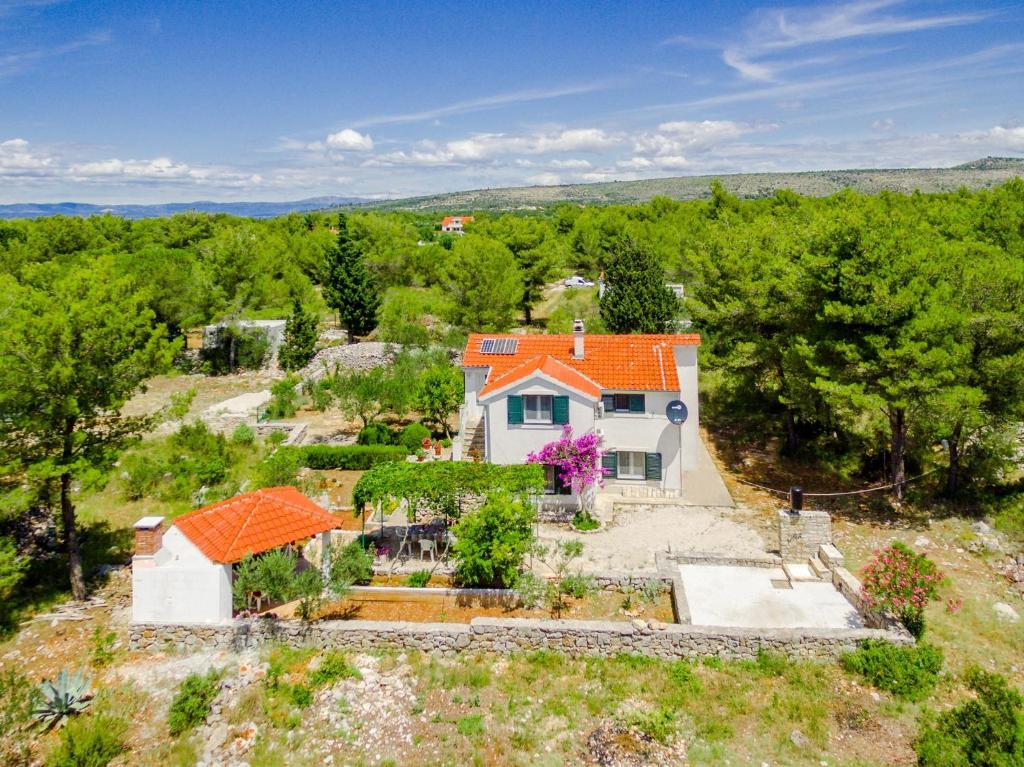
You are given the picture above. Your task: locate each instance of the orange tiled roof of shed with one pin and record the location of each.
(625, 363)
(253, 523)
(550, 367)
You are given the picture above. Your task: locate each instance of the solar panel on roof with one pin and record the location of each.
(498, 346)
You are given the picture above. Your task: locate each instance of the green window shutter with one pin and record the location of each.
(636, 403)
(608, 400)
(653, 466)
(560, 410)
(610, 462)
(515, 409)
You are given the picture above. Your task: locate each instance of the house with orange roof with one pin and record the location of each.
(638, 392)
(184, 574)
(455, 224)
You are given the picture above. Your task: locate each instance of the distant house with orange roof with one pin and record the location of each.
(184, 574)
(455, 224)
(639, 392)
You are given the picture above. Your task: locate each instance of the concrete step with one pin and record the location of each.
(819, 568)
(797, 572)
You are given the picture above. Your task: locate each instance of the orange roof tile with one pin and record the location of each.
(253, 523)
(449, 220)
(546, 365)
(624, 363)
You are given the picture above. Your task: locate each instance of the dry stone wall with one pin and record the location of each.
(508, 635)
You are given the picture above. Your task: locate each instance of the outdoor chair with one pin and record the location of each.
(426, 544)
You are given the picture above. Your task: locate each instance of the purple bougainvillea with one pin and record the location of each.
(577, 460)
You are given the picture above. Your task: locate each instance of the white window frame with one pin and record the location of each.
(634, 454)
(538, 401)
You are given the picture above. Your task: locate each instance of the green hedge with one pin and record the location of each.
(350, 457)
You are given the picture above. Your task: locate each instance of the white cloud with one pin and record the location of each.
(673, 139)
(349, 140)
(760, 55)
(484, 103)
(544, 179)
(486, 147)
(570, 164)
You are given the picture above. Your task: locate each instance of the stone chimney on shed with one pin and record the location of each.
(577, 339)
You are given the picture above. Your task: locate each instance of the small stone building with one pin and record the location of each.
(184, 574)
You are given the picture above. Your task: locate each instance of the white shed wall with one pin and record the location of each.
(180, 585)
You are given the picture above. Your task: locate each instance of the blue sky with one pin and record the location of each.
(152, 102)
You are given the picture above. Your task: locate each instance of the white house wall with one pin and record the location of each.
(649, 432)
(509, 444)
(180, 585)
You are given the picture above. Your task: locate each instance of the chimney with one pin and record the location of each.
(149, 534)
(577, 339)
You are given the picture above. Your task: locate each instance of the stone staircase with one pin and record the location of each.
(817, 567)
(473, 440)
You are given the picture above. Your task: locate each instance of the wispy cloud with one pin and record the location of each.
(13, 63)
(485, 103)
(11, 7)
(761, 52)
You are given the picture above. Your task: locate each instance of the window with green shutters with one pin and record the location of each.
(631, 464)
(623, 403)
(560, 410)
(653, 465)
(515, 409)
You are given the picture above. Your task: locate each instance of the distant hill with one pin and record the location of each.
(979, 174)
(249, 209)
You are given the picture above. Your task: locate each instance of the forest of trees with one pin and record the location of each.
(880, 335)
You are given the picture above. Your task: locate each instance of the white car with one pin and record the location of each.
(578, 282)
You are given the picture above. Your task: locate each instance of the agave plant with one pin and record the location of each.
(67, 695)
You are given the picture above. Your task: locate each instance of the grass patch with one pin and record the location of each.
(907, 672)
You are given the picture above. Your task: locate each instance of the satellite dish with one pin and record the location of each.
(676, 411)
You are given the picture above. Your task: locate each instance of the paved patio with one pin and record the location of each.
(722, 595)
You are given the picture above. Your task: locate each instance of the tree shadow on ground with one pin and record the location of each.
(46, 580)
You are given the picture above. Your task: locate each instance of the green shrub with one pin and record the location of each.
(418, 579)
(577, 585)
(279, 468)
(908, 672)
(333, 666)
(347, 457)
(412, 436)
(987, 731)
(659, 725)
(140, 476)
(581, 520)
(191, 704)
(470, 726)
(491, 542)
(284, 399)
(89, 741)
(243, 435)
(352, 565)
(375, 433)
(101, 652)
(300, 695)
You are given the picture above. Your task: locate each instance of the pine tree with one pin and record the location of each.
(349, 288)
(301, 332)
(636, 299)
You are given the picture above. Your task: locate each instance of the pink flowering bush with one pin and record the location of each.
(902, 582)
(577, 460)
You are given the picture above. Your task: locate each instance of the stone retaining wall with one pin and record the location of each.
(802, 534)
(506, 635)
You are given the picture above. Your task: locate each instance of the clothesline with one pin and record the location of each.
(890, 486)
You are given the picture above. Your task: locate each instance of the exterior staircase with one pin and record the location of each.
(473, 440)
